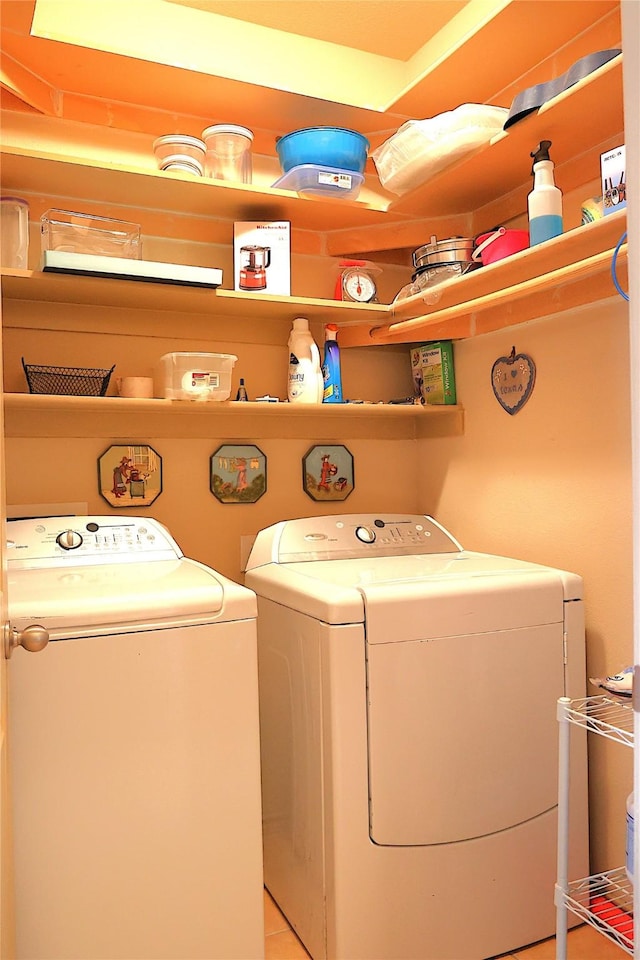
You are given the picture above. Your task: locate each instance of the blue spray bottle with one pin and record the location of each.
(331, 366)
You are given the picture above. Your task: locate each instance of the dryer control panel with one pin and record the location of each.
(350, 536)
(54, 541)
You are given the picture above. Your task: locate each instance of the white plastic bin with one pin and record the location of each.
(197, 376)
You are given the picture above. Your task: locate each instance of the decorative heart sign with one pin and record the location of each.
(512, 379)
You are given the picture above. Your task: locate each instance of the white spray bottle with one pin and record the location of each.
(545, 200)
(306, 384)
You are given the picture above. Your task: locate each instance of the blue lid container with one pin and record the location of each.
(327, 146)
(313, 179)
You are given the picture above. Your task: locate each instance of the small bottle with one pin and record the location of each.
(544, 203)
(331, 374)
(242, 391)
(305, 382)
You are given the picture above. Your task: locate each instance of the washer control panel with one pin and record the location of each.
(351, 536)
(54, 541)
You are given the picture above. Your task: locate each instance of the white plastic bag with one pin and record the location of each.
(421, 148)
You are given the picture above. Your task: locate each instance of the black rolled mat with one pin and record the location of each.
(533, 97)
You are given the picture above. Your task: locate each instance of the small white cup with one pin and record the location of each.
(140, 387)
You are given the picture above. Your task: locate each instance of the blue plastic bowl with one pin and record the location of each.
(327, 146)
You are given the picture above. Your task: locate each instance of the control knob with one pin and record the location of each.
(69, 540)
(366, 534)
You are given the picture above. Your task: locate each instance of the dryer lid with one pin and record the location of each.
(421, 596)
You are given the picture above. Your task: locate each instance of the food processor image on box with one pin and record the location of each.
(254, 261)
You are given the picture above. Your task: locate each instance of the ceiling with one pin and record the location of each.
(390, 28)
(278, 65)
(337, 62)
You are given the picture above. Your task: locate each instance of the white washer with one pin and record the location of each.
(134, 747)
(408, 695)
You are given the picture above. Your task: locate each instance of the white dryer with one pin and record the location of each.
(134, 747)
(408, 694)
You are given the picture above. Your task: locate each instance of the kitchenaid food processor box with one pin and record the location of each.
(262, 257)
(433, 374)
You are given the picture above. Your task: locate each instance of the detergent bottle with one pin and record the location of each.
(306, 384)
(331, 366)
(545, 200)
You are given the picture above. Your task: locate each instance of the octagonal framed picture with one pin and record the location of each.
(130, 475)
(238, 473)
(327, 472)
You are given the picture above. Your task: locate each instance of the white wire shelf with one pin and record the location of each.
(605, 901)
(608, 717)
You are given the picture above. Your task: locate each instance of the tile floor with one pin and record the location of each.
(583, 943)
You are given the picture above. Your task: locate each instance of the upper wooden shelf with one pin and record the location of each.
(483, 180)
(504, 164)
(491, 184)
(25, 171)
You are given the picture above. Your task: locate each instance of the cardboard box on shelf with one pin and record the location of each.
(262, 257)
(433, 372)
(614, 184)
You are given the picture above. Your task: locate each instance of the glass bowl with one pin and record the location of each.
(177, 151)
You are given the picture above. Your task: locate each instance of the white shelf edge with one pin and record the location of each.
(607, 717)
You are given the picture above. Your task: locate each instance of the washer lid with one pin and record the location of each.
(86, 576)
(93, 600)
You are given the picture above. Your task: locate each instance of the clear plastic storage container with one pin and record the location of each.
(14, 231)
(197, 376)
(228, 155)
(84, 233)
(313, 179)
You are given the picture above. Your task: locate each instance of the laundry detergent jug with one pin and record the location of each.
(306, 383)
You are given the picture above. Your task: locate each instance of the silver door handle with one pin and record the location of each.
(33, 638)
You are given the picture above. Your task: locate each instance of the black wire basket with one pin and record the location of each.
(67, 381)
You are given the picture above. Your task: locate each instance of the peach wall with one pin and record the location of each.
(63, 470)
(552, 484)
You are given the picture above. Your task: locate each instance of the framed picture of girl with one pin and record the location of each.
(238, 473)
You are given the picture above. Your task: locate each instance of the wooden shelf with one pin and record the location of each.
(504, 164)
(62, 288)
(31, 415)
(486, 187)
(537, 282)
(26, 171)
(492, 182)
